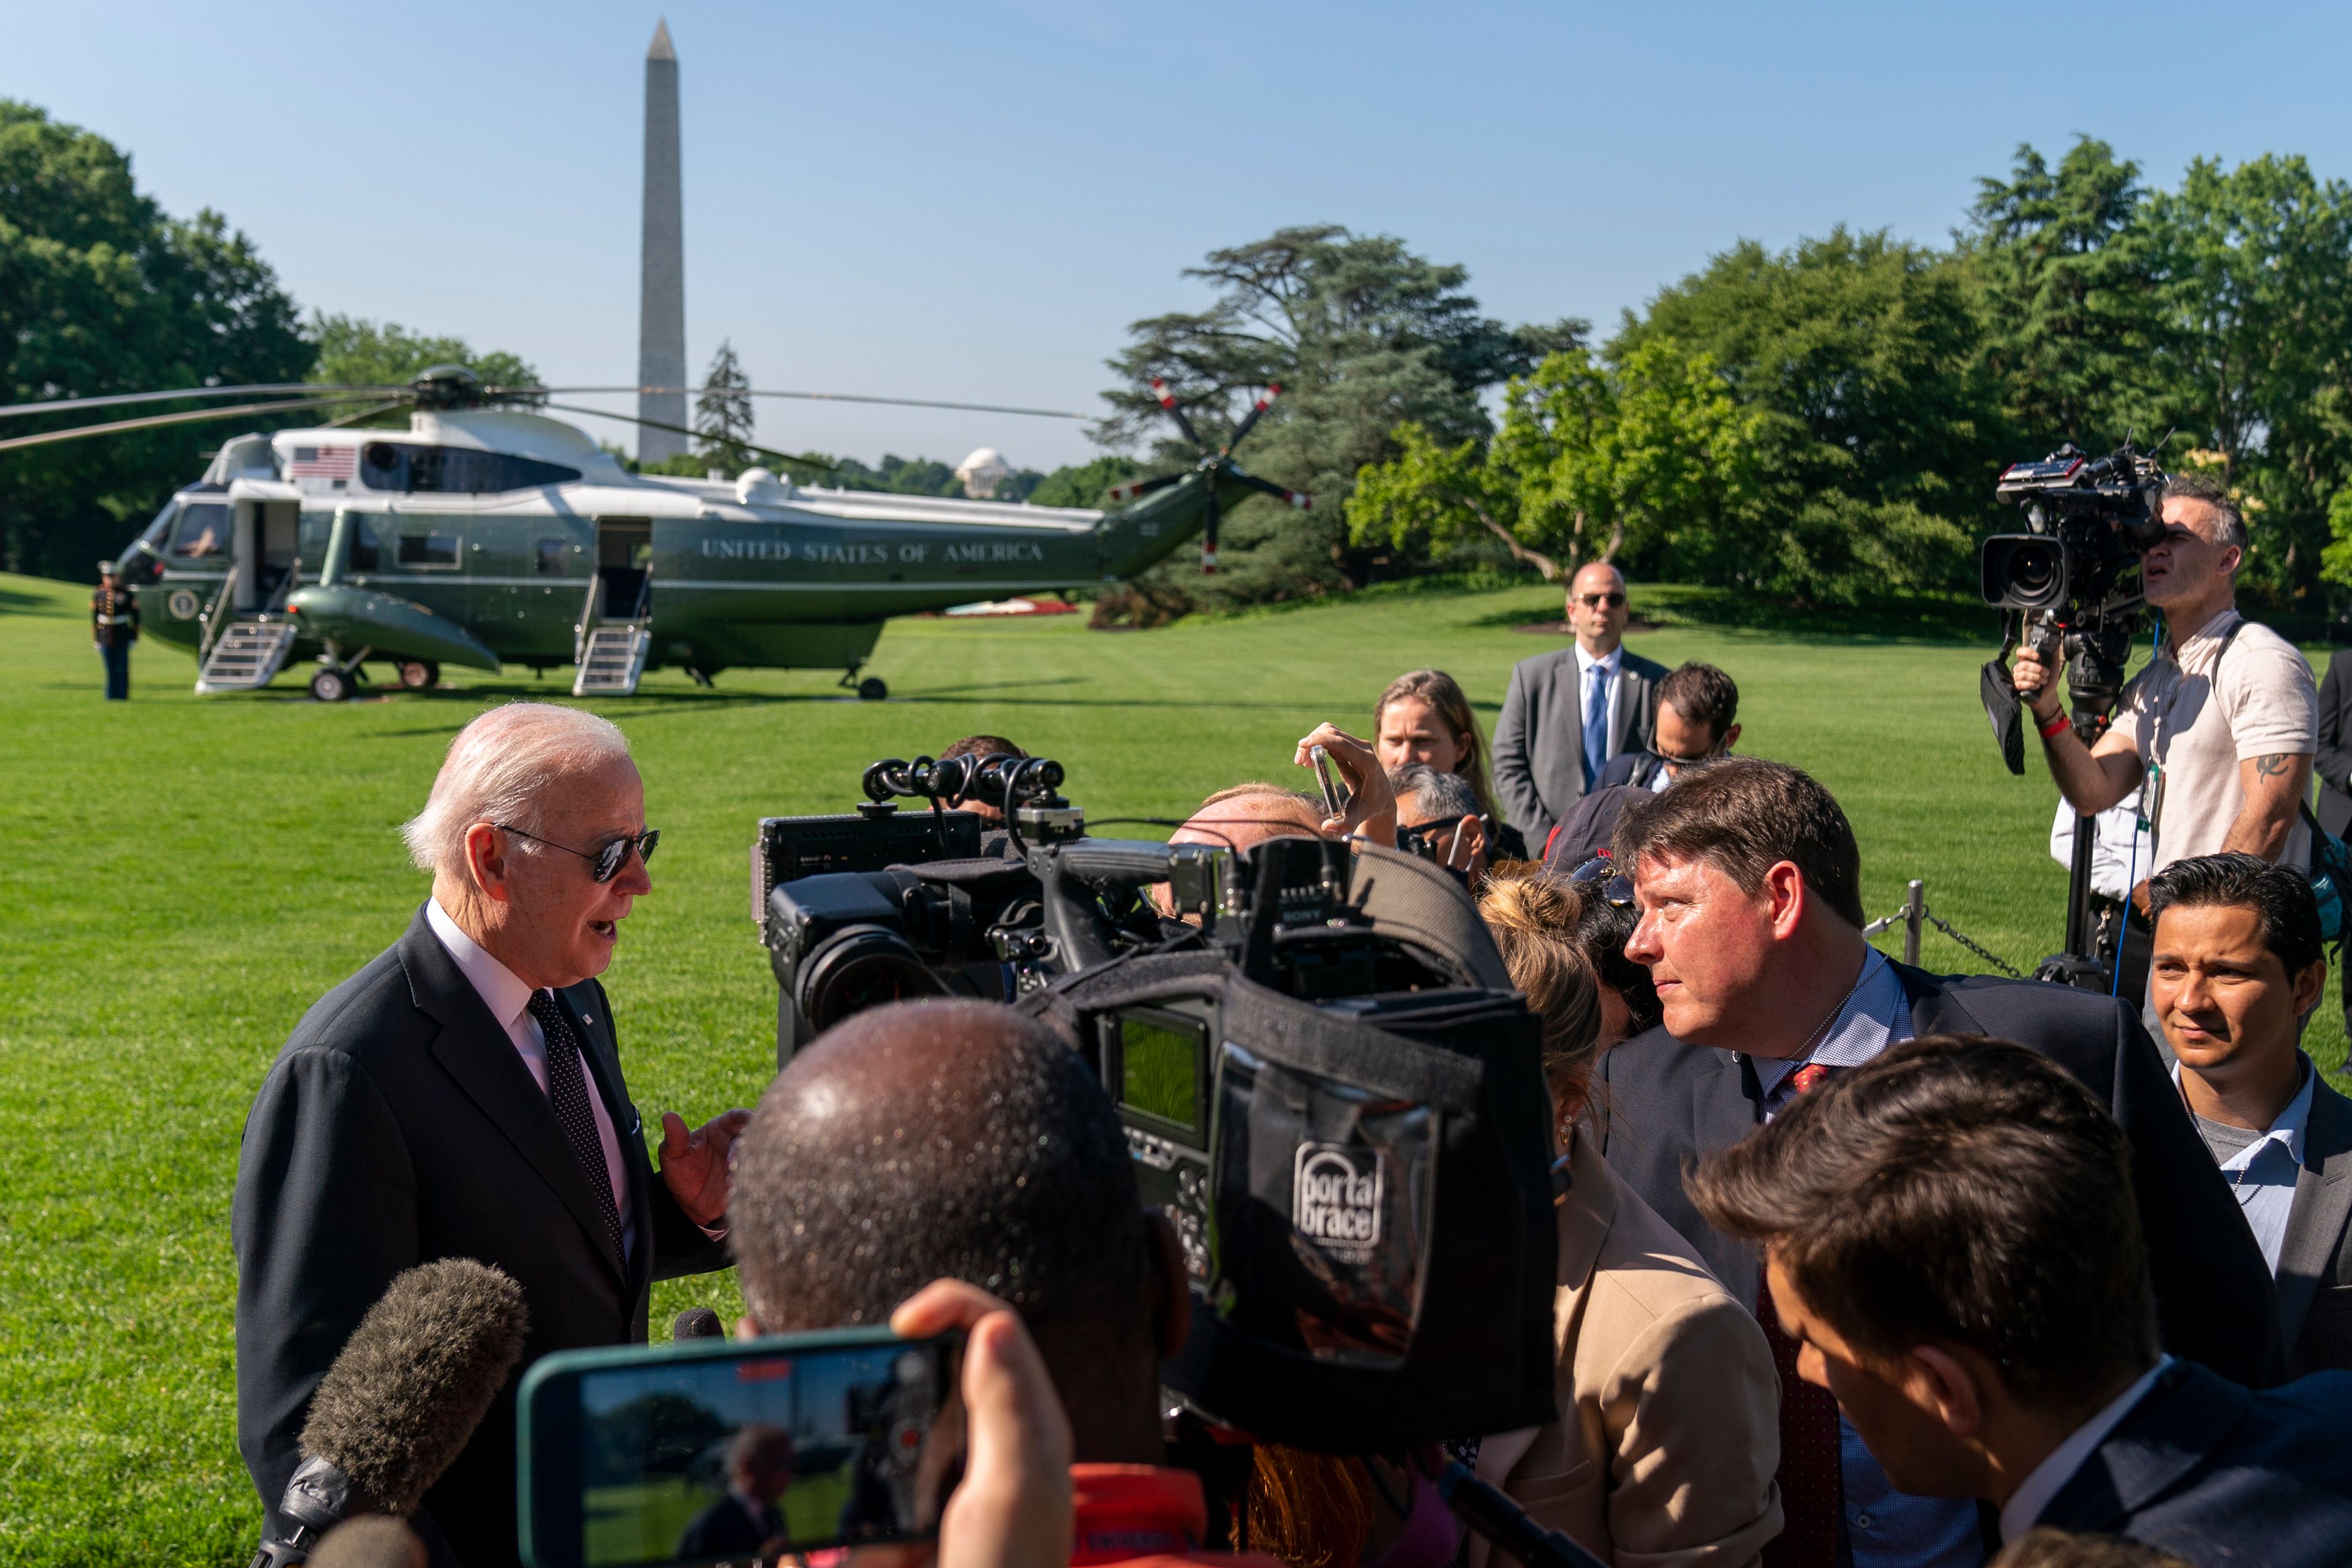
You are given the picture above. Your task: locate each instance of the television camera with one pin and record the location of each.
(1325, 1075)
(2070, 584)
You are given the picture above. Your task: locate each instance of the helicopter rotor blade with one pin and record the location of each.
(124, 399)
(341, 421)
(155, 421)
(1209, 536)
(1168, 401)
(1265, 401)
(812, 397)
(1135, 489)
(1298, 498)
(819, 464)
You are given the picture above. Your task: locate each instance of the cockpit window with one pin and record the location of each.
(405, 465)
(203, 530)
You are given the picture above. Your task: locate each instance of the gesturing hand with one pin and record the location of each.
(694, 1165)
(1013, 1507)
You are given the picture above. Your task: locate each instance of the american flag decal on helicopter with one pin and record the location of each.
(323, 463)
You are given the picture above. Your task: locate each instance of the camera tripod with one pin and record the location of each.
(2095, 681)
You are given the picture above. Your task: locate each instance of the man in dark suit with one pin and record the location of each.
(1566, 713)
(461, 1096)
(1951, 1235)
(1696, 720)
(1749, 882)
(748, 1521)
(2332, 766)
(2238, 964)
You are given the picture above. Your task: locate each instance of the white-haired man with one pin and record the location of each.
(461, 1097)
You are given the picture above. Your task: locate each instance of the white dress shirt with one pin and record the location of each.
(1611, 663)
(2265, 1166)
(2025, 1504)
(508, 1000)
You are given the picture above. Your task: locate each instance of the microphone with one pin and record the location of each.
(402, 1400)
(696, 1323)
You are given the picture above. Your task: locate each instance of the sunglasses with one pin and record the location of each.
(1616, 889)
(605, 864)
(1424, 839)
(1595, 601)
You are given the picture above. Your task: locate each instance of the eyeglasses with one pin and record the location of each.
(605, 863)
(1615, 888)
(1595, 601)
(1424, 839)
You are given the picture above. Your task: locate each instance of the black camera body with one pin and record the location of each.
(1325, 1076)
(2071, 582)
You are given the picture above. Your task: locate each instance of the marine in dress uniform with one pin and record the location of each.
(113, 627)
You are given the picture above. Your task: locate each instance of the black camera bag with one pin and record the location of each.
(1382, 1240)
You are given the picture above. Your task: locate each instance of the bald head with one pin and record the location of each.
(1249, 815)
(938, 1138)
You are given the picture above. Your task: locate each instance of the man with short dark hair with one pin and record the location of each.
(1697, 721)
(1748, 881)
(1566, 713)
(2238, 965)
(981, 746)
(1438, 818)
(963, 1141)
(2225, 715)
(1951, 1234)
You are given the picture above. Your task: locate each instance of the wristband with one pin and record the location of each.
(2054, 725)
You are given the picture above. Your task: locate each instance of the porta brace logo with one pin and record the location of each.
(1334, 1195)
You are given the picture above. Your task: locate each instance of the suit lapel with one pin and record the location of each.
(1934, 1009)
(2323, 1202)
(1722, 1113)
(474, 1050)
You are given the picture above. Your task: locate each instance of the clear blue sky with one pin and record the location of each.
(973, 202)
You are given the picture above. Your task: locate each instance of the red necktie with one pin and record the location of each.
(1812, 1481)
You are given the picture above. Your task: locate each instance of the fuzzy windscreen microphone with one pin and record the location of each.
(414, 1381)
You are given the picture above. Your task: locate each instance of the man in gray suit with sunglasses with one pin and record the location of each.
(1566, 713)
(461, 1097)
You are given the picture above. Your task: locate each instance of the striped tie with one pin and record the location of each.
(568, 1091)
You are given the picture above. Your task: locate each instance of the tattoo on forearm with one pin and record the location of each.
(2274, 766)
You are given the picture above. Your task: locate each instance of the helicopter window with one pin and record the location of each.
(553, 555)
(403, 465)
(202, 531)
(365, 557)
(430, 550)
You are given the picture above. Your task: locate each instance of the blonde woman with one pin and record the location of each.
(1423, 717)
(1668, 1433)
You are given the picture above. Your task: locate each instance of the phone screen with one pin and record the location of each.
(709, 1459)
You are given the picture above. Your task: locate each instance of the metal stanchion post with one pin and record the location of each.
(1914, 914)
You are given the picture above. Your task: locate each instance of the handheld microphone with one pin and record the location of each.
(402, 1400)
(696, 1323)
(1487, 1509)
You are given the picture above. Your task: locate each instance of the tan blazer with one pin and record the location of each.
(1670, 1410)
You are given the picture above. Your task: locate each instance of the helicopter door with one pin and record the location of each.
(265, 540)
(624, 557)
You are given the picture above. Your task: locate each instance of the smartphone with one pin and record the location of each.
(1334, 793)
(718, 1451)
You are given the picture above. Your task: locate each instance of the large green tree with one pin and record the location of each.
(1362, 334)
(354, 351)
(102, 291)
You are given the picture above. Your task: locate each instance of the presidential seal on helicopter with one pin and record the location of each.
(488, 533)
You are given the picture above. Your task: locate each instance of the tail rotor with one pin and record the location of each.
(1217, 465)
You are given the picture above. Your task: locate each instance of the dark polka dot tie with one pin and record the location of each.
(568, 1092)
(1812, 1479)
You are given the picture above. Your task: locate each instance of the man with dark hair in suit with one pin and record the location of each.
(1949, 1234)
(1697, 721)
(2238, 965)
(1748, 887)
(461, 1097)
(1565, 714)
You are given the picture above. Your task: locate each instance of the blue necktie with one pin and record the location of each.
(1596, 724)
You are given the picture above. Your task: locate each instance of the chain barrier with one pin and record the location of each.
(1916, 913)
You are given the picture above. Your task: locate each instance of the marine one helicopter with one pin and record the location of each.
(488, 533)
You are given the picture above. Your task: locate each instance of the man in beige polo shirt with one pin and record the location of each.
(2226, 715)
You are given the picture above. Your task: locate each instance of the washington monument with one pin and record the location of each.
(661, 303)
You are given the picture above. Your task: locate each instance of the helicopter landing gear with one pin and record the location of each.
(419, 674)
(331, 685)
(872, 690)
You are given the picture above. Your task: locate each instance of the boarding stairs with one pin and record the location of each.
(613, 660)
(247, 656)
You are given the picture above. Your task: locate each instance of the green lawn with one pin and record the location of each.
(184, 876)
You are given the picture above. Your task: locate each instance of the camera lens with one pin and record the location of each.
(858, 967)
(2024, 572)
